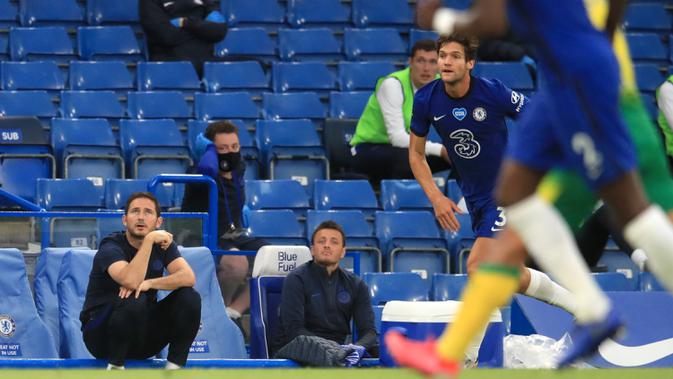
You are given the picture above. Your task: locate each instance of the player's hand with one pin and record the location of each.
(124, 292)
(161, 238)
(425, 11)
(445, 210)
(144, 286)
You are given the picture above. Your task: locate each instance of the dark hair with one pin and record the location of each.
(139, 195)
(470, 43)
(217, 127)
(329, 224)
(423, 44)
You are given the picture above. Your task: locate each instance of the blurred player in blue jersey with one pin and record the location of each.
(574, 122)
(468, 112)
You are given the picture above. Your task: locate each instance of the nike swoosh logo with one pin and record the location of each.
(494, 229)
(632, 356)
(438, 118)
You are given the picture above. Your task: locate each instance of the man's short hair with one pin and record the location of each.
(424, 45)
(329, 224)
(470, 43)
(139, 195)
(217, 127)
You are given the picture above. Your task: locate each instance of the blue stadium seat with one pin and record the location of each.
(247, 42)
(277, 194)
(267, 13)
(95, 75)
(411, 241)
(460, 243)
(153, 147)
(8, 14)
(86, 148)
(447, 286)
(27, 103)
(355, 76)
(649, 283)
(292, 105)
(453, 191)
(158, 104)
(278, 226)
(43, 43)
(265, 293)
(615, 281)
(403, 195)
(388, 286)
(302, 76)
(171, 76)
(647, 47)
(73, 278)
(374, 44)
(218, 336)
(227, 105)
(45, 284)
(514, 75)
(25, 156)
(31, 76)
(235, 76)
(359, 236)
(51, 12)
(386, 13)
(417, 34)
(620, 262)
(305, 13)
(24, 334)
(292, 149)
(118, 190)
(348, 104)
(98, 104)
(308, 44)
(103, 12)
(345, 194)
(108, 43)
(70, 195)
(648, 16)
(648, 76)
(4, 45)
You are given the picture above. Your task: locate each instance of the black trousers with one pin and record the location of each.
(140, 328)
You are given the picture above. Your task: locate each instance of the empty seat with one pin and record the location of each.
(108, 42)
(27, 103)
(398, 195)
(97, 75)
(8, 14)
(460, 243)
(153, 147)
(103, 12)
(268, 13)
(292, 150)
(50, 12)
(388, 286)
(292, 105)
(614, 281)
(214, 106)
(25, 156)
(31, 76)
(620, 262)
(447, 286)
(308, 44)
(374, 44)
(303, 13)
(302, 76)
(279, 227)
(411, 241)
(372, 13)
(247, 42)
(4, 44)
(34, 44)
(118, 190)
(416, 35)
(354, 76)
(73, 279)
(158, 104)
(648, 76)
(79, 104)
(345, 194)
(348, 104)
(648, 16)
(86, 148)
(515, 75)
(337, 135)
(277, 194)
(647, 47)
(159, 76)
(24, 334)
(234, 76)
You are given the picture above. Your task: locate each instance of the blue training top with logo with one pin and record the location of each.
(474, 132)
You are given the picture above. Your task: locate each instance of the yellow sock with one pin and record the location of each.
(490, 287)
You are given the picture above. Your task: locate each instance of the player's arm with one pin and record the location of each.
(130, 274)
(485, 18)
(180, 274)
(391, 99)
(615, 16)
(665, 102)
(443, 206)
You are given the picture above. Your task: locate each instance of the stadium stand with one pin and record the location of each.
(374, 44)
(167, 76)
(278, 226)
(347, 104)
(388, 286)
(43, 75)
(399, 195)
(386, 13)
(267, 13)
(103, 12)
(277, 194)
(51, 12)
(159, 104)
(318, 13)
(100, 76)
(43, 43)
(357, 76)
(8, 14)
(247, 42)
(308, 44)
(226, 105)
(302, 76)
(92, 104)
(108, 43)
(345, 194)
(235, 76)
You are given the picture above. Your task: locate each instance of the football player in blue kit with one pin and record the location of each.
(574, 123)
(468, 112)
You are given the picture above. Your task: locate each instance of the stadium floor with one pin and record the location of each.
(370, 373)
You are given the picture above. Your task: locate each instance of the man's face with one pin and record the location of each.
(141, 218)
(453, 66)
(226, 143)
(328, 247)
(423, 67)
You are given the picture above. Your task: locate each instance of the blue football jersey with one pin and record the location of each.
(472, 129)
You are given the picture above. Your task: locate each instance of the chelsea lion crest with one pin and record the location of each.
(7, 326)
(479, 114)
